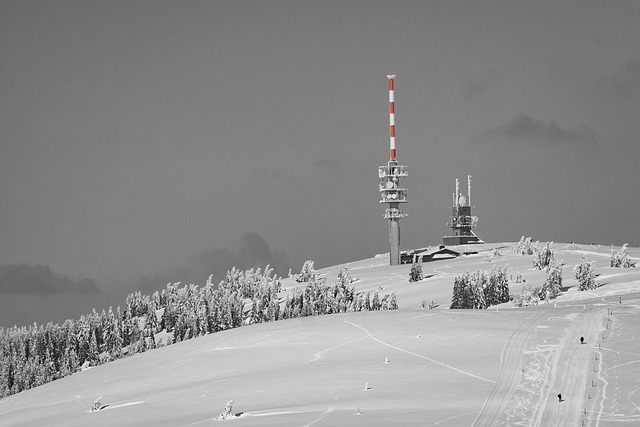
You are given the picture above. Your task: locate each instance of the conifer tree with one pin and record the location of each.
(585, 274)
(543, 257)
(416, 272)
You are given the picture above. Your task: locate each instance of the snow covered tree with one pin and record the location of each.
(306, 273)
(480, 289)
(393, 302)
(366, 306)
(416, 272)
(468, 291)
(585, 274)
(620, 259)
(524, 246)
(543, 257)
(551, 287)
(375, 302)
(496, 288)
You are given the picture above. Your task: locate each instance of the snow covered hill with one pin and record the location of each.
(414, 366)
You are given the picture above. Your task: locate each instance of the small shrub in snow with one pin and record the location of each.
(495, 253)
(528, 296)
(416, 272)
(226, 413)
(543, 257)
(97, 405)
(585, 274)
(620, 259)
(524, 246)
(518, 278)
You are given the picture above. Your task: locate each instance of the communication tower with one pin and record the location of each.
(391, 191)
(461, 221)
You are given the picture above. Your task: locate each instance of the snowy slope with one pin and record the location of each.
(413, 366)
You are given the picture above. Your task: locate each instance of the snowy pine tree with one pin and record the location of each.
(620, 259)
(416, 272)
(543, 257)
(585, 274)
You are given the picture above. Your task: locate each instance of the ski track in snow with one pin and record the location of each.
(320, 354)
(322, 415)
(451, 418)
(370, 335)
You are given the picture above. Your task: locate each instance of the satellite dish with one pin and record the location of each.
(462, 200)
(474, 219)
(389, 184)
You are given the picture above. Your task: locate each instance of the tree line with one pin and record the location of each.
(35, 355)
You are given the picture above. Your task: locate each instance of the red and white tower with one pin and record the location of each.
(392, 192)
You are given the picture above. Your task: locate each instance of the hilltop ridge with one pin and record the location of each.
(412, 366)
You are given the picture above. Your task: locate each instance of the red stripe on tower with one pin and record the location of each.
(392, 117)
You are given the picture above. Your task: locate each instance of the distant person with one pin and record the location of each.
(559, 397)
(619, 300)
(581, 340)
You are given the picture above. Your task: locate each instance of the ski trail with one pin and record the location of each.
(511, 360)
(322, 415)
(419, 355)
(320, 354)
(124, 404)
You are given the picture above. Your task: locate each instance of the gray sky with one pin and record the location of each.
(142, 139)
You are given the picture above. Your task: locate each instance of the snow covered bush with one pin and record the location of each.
(432, 304)
(543, 257)
(416, 272)
(518, 278)
(97, 405)
(528, 296)
(227, 413)
(620, 259)
(524, 246)
(494, 253)
(585, 274)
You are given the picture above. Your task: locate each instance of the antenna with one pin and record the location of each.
(392, 118)
(461, 222)
(389, 185)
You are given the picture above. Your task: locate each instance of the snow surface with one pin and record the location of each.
(501, 366)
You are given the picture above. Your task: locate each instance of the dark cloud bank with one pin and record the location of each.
(525, 129)
(250, 251)
(36, 293)
(41, 279)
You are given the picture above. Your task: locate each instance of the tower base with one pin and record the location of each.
(460, 240)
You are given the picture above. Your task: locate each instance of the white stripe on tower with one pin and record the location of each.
(392, 118)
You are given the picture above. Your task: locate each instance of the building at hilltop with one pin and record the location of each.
(461, 222)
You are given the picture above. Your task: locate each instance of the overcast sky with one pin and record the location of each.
(146, 140)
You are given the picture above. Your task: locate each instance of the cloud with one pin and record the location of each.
(525, 129)
(41, 279)
(623, 86)
(475, 86)
(250, 251)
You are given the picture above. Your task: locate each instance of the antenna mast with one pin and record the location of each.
(389, 186)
